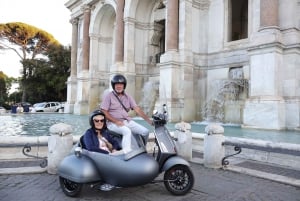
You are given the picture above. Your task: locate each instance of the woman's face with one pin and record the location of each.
(98, 121)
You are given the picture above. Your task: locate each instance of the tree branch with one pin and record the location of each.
(6, 47)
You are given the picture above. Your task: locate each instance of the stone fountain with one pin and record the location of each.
(227, 98)
(149, 97)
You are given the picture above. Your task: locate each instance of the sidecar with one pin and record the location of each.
(132, 169)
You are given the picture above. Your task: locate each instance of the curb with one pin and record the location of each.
(265, 175)
(22, 170)
(256, 173)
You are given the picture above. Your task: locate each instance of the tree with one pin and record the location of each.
(14, 97)
(3, 90)
(5, 85)
(46, 79)
(27, 42)
(59, 61)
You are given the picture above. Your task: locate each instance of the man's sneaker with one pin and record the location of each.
(106, 187)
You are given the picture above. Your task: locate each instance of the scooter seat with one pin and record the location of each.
(134, 153)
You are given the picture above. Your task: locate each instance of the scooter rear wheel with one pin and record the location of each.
(69, 187)
(179, 179)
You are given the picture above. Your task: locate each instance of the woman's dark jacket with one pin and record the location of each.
(91, 141)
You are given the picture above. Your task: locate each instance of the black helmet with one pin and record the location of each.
(118, 79)
(95, 113)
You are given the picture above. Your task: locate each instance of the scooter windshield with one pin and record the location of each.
(164, 140)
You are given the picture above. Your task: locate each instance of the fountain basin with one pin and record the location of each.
(38, 124)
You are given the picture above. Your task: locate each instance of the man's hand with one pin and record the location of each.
(141, 113)
(150, 122)
(110, 118)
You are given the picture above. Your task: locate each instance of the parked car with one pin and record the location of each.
(47, 107)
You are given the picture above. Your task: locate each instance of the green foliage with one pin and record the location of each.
(43, 77)
(27, 42)
(14, 97)
(31, 40)
(46, 79)
(3, 92)
(5, 84)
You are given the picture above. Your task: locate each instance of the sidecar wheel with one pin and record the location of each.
(70, 188)
(179, 179)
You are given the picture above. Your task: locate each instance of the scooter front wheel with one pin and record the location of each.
(69, 187)
(179, 179)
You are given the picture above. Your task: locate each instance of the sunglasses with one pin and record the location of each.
(98, 120)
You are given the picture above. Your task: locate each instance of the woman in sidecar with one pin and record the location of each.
(97, 138)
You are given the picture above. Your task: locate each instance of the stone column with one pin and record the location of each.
(60, 143)
(86, 38)
(185, 44)
(83, 88)
(128, 64)
(184, 144)
(171, 90)
(268, 13)
(119, 32)
(129, 44)
(74, 23)
(95, 72)
(72, 80)
(172, 25)
(213, 150)
(265, 108)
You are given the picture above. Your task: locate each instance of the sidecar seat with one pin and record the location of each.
(117, 137)
(81, 143)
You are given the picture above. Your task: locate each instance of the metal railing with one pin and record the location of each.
(238, 149)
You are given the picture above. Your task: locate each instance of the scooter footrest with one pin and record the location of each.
(106, 187)
(134, 153)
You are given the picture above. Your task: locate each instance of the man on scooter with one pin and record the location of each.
(116, 105)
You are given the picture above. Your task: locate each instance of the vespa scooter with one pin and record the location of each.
(132, 169)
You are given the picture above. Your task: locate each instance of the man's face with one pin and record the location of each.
(119, 87)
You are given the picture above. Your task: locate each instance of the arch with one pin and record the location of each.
(140, 10)
(102, 37)
(102, 30)
(103, 20)
(144, 12)
(130, 8)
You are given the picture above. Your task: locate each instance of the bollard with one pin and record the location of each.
(60, 143)
(213, 151)
(184, 140)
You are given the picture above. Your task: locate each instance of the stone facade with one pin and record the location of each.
(235, 61)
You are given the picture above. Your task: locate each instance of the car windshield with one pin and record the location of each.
(39, 104)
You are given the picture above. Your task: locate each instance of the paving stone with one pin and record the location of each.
(210, 185)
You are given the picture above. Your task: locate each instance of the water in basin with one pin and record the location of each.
(38, 124)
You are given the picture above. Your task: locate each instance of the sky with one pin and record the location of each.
(49, 15)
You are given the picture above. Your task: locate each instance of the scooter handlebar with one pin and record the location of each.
(160, 118)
